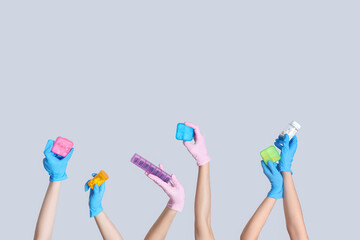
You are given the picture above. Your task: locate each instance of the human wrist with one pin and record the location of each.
(271, 198)
(176, 206)
(170, 210)
(276, 193)
(286, 173)
(275, 196)
(94, 212)
(56, 178)
(53, 184)
(203, 159)
(285, 169)
(204, 167)
(99, 215)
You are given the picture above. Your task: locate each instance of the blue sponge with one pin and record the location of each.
(184, 132)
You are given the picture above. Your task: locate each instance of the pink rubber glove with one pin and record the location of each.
(173, 189)
(198, 149)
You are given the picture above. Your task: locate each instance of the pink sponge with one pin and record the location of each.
(62, 146)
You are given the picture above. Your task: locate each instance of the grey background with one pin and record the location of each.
(116, 77)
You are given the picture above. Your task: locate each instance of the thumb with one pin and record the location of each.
(102, 188)
(161, 166)
(67, 158)
(265, 168)
(271, 166)
(286, 140)
(158, 181)
(293, 142)
(96, 189)
(87, 186)
(175, 180)
(49, 146)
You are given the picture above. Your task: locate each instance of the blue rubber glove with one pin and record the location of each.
(54, 164)
(273, 174)
(95, 197)
(288, 149)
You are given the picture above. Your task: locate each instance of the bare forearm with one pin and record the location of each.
(203, 195)
(257, 221)
(203, 204)
(106, 227)
(46, 220)
(162, 225)
(294, 218)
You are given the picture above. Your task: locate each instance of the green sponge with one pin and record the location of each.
(270, 153)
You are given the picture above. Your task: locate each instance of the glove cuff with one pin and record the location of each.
(276, 191)
(96, 211)
(203, 160)
(58, 178)
(175, 206)
(275, 195)
(286, 170)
